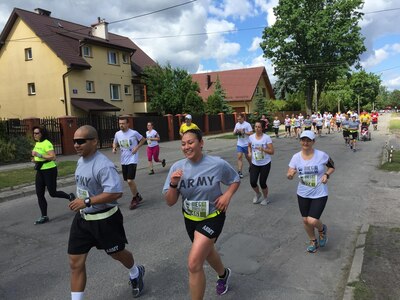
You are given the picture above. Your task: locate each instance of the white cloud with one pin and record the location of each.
(393, 83)
(255, 45)
(267, 6)
(376, 58)
(237, 9)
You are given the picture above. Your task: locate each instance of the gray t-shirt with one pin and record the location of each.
(200, 181)
(94, 175)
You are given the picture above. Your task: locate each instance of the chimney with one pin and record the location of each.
(208, 81)
(43, 12)
(100, 29)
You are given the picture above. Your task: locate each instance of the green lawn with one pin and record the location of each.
(17, 177)
(394, 125)
(394, 165)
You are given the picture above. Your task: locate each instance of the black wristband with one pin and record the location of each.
(174, 186)
(327, 175)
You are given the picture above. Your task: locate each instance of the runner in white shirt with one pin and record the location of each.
(276, 123)
(243, 130)
(153, 149)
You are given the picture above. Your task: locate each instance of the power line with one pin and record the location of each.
(383, 10)
(153, 12)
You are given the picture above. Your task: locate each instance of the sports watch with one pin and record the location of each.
(87, 202)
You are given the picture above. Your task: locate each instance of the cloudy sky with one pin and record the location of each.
(210, 35)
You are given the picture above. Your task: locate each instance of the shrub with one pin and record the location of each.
(16, 149)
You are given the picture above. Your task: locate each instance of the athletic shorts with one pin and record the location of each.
(287, 128)
(107, 234)
(307, 128)
(346, 133)
(374, 122)
(319, 127)
(210, 228)
(153, 152)
(276, 130)
(129, 171)
(338, 124)
(353, 135)
(311, 207)
(240, 149)
(314, 124)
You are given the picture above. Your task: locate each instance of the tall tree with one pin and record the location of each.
(216, 102)
(168, 88)
(365, 88)
(319, 39)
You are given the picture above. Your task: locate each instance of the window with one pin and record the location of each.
(31, 88)
(125, 58)
(87, 51)
(112, 57)
(115, 91)
(127, 89)
(138, 93)
(90, 86)
(28, 54)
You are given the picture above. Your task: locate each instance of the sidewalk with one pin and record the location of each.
(170, 151)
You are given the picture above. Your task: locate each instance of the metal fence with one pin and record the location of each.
(12, 127)
(106, 126)
(54, 131)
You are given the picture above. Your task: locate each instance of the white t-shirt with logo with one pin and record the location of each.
(260, 158)
(127, 141)
(243, 139)
(151, 134)
(310, 173)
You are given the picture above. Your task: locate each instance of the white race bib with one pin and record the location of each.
(309, 180)
(196, 208)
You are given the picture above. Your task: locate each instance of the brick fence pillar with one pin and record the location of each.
(222, 116)
(206, 124)
(170, 121)
(68, 126)
(30, 123)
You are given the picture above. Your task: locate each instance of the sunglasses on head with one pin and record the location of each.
(82, 141)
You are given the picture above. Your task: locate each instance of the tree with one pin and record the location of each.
(394, 99)
(314, 40)
(216, 103)
(168, 88)
(194, 104)
(365, 88)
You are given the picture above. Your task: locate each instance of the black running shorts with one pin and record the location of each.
(211, 228)
(107, 234)
(129, 172)
(312, 207)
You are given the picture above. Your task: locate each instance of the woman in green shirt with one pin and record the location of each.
(43, 156)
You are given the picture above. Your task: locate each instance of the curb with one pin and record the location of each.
(358, 258)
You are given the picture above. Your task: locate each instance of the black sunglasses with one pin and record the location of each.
(82, 141)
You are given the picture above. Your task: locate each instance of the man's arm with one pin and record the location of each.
(78, 203)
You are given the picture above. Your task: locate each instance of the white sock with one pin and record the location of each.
(134, 272)
(77, 295)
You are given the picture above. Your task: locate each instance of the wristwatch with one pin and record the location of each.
(327, 175)
(87, 202)
(174, 186)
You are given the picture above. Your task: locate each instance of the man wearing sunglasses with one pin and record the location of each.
(129, 141)
(98, 222)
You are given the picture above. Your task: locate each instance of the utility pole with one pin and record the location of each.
(316, 94)
(358, 104)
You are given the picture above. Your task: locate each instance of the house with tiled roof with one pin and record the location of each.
(241, 86)
(53, 67)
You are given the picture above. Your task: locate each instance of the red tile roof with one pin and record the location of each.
(239, 85)
(64, 38)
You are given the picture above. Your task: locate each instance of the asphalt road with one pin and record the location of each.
(264, 246)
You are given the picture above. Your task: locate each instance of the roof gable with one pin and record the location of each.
(65, 38)
(239, 85)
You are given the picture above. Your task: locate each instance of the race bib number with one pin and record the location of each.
(259, 155)
(81, 193)
(309, 180)
(196, 208)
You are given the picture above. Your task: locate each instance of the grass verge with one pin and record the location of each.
(12, 178)
(394, 125)
(394, 165)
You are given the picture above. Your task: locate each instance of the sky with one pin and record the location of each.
(215, 35)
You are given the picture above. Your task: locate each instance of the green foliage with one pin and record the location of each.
(394, 98)
(216, 103)
(16, 149)
(365, 87)
(168, 89)
(275, 105)
(313, 40)
(194, 104)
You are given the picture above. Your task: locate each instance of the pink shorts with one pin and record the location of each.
(153, 152)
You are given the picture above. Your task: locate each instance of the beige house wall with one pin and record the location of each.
(45, 70)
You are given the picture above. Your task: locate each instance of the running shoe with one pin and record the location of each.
(137, 283)
(72, 197)
(257, 198)
(42, 220)
(312, 248)
(323, 237)
(134, 203)
(139, 197)
(163, 163)
(265, 202)
(222, 283)
(151, 172)
(240, 174)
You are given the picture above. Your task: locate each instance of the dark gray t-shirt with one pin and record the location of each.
(94, 175)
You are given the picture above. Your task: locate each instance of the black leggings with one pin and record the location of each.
(259, 171)
(47, 178)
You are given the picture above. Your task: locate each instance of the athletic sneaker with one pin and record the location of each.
(257, 198)
(151, 172)
(240, 174)
(139, 197)
(313, 246)
(222, 283)
(42, 220)
(137, 283)
(71, 197)
(163, 163)
(265, 202)
(323, 237)
(134, 203)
